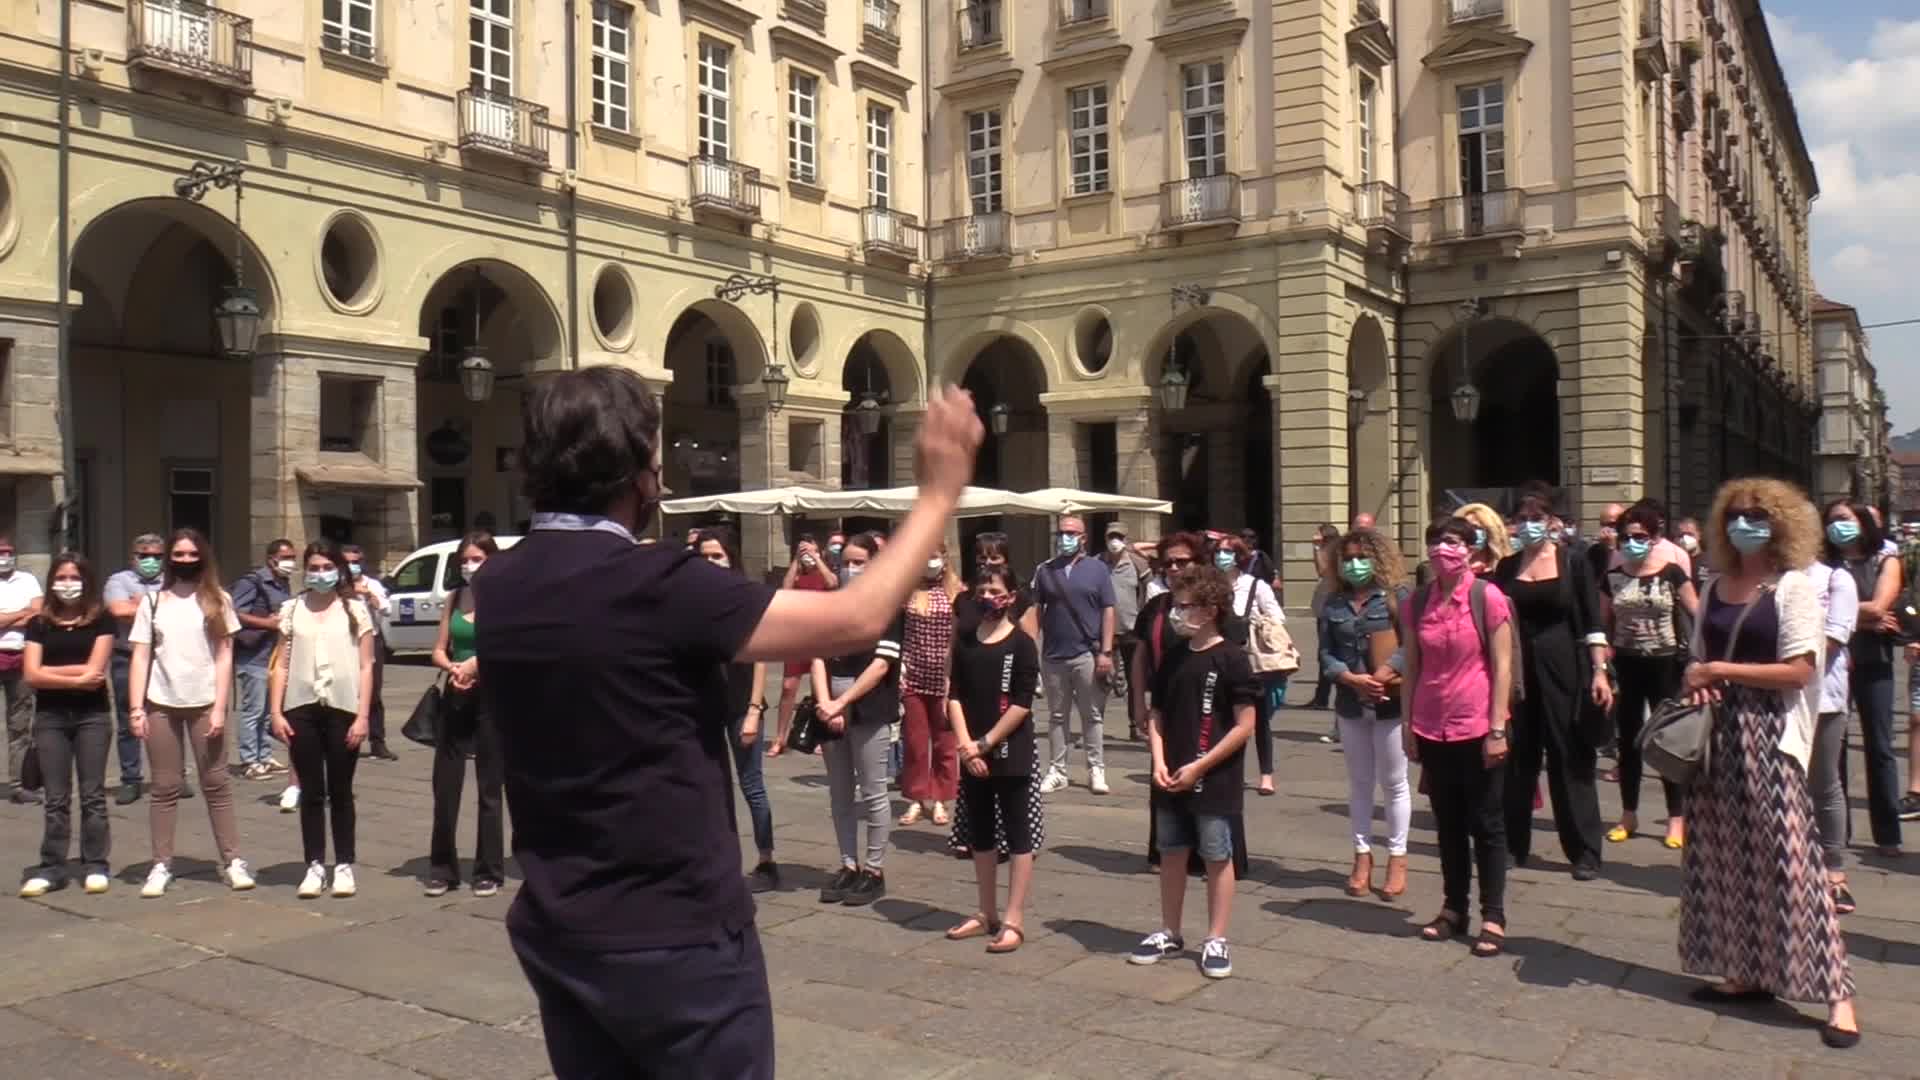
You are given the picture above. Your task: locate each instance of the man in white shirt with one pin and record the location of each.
(20, 600)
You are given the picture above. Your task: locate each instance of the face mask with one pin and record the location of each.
(833, 550)
(1224, 560)
(935, 565)
(1843, 533)
(996, 605)
(854, 571)
(1690, 542)
(1182, 622)
(1069, 543)
(322, 579)
(284, 567)
(1635, 550)
(470, 568)
(1748, 537)
(1570, 534)
(1116, 545)
(1356, 571)
(186, 571)
(1479, 539)
(148, 566)
(6, 564)
(807, 561)
(1449, 559)
(67, 590)
(1531, 533)
(353, 568)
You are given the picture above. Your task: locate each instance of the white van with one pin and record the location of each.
(417, 593)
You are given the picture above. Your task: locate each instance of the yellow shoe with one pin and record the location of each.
(1675, 843)
(1618, 835)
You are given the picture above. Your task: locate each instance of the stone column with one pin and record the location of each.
(34, 431)
(283, 412)
(1310, 439)
(1137, 439)
(763, 445)
(904, 427)
(1603, 420)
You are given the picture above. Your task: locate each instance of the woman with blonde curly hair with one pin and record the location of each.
(1755, 907)
(1491, 532)
(1366, 583)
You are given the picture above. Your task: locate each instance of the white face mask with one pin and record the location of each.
(284, 567)
(1116, 545)
(1690, 542)
(935, 565)
(67, 590)
(470, 568)
(6, 564)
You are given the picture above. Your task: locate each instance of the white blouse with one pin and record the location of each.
(323, 654)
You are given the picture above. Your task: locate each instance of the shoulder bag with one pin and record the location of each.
(1270, 649)
(1677, 742)
(423, 725)
(808, 731)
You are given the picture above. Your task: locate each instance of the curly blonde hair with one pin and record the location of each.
(1486, 517)
(1796, 524)
(1389, 571)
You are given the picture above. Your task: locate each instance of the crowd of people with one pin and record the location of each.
(1515, 651)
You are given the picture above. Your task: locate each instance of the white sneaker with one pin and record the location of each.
(343, 883)
(1097, 779)
(158, 879)
(290, 799)
(1055, 781)
(239, 878)
(314, 883)
(35, 886)
(96, 884)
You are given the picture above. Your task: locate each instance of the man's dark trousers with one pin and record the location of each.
(695, 1012)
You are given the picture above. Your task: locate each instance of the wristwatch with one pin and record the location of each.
(1497, 733)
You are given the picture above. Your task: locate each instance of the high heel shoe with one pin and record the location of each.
(1396, 877)
(1360, 882)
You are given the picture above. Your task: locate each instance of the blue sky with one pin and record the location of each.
(1854, 66)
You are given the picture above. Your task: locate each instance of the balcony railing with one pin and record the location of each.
(881, 19)
(1487, 213)
(886, 231)
(1468, 10)
(977, 236)
(1380, 205)
(725, 187)
(502, 124)
(1083, 12)
(355, 45)
(980, 26)
(191, 39)
(1733, 310)
(1200, 200)
(1660, 220)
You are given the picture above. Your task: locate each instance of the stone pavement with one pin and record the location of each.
(392, 985)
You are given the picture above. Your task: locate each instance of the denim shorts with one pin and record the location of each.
(1177, 828)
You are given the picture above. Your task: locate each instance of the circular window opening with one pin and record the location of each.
(613, 307)
(1093, 340)
(350, 262)
(803, 338)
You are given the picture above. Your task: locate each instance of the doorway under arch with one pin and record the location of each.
(1006, 378)
(1514, 440)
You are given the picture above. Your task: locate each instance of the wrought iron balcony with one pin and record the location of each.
(502, 124)
(977, 236)
(885, 231)
(724, 187)
(1733, 310)
(1083, 12)
(981, 26)
(1459, 11)
(358, 46)
(1200, 201)
(881, 19)
(191, 39)
(1486, 213)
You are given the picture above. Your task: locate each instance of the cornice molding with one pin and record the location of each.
(787, 43)
(1082, 60)
(721, 15)
(1477, 46)
(994, 82)
(871, 76)
(1215, 34)
(1371, 44)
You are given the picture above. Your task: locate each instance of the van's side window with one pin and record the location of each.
(414, 575)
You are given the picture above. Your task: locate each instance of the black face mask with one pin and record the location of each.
(186, 571)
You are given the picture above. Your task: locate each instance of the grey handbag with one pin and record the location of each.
(1677, 742)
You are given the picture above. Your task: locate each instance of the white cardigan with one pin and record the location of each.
(1802, 631)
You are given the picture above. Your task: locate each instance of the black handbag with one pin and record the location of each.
(423, 726)
(808, 730)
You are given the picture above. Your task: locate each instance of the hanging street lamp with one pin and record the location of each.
(998, 416)
(1466, 396)
(1173, 389)
(476, 371)
(775, 380)
(237, 315)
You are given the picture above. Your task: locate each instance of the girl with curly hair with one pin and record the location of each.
(1755, 906)
(1367, 583)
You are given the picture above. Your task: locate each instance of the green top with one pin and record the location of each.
(460, 636)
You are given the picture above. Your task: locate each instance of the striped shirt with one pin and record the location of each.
(881, 705)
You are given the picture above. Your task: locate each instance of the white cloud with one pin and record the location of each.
(1857, 259)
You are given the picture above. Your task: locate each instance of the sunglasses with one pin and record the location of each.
(1177, 562)
(1751, 513)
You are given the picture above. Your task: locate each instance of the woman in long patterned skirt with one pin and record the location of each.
(1754, 905)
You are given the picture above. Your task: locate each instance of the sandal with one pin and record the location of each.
(1490, 943)
(1444, 928)
(1619, 834)
(1000, 948)
(940, 815)
(975, 926)
(1843, 902)
(912, 816)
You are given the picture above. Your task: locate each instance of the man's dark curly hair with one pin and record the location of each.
(588, 435)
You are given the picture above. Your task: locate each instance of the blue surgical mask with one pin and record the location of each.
(148, 566)
(322, 579)
(1843, 533)
(354, 569)
(1356, 571)
(1636, 550)
(1748, 537)
(1531, 533)
(1069, 543)
(1224, 560)
(850, 572)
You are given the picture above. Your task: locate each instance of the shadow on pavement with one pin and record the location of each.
(1096, 937)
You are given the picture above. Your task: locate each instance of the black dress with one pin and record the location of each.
(1554, 618)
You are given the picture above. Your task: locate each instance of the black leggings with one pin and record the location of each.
(323, 764)
(1645, 682)
(470, 727)
(1013, 796)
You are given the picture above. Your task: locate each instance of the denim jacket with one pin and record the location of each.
(1344, 636)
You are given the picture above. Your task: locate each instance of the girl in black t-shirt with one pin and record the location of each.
(990, 705)
(68, 646)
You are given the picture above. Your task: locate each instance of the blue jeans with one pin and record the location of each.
(753, 784)
(1873, 700)
(250, 715)
(1179, 828)
(129, 744)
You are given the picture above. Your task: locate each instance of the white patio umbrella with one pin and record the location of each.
(763, 503)
(1075, 501)
(895, 502)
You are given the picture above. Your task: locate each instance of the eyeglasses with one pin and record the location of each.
(1176, 562)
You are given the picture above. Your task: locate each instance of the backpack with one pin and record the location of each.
(1477, 606)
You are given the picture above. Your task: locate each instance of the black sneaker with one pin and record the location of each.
(866, 888)
(835, 891)
(381, 751)
(129, 793)
(1586, 871)
(1156, 947)
(764, 878)
(1215, 961)
(1910, 806)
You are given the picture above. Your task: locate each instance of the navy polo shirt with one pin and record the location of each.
(605, 662)
(1074, 595)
